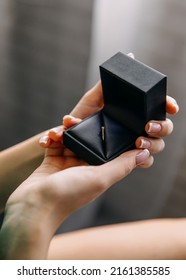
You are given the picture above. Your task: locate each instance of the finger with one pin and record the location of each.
(148, 163)
(45, 141)
(69, 121)
(90, 103)
(171, 106)
(154, 145)
(56, 133)
(68, 153)
(121, 166)
(51, 136)
(159, 128)
(54, 151)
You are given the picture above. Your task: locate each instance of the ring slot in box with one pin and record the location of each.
(133, 94)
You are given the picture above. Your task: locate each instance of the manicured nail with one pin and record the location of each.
(172, 100)
(44, 140)
(71, 118)
(154, 127)
(142, 156)
(174, 103)
(56, 130)
(145, 144)
(68, 116)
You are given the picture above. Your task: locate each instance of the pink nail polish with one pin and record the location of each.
(69, 117)
(145, 144)
(142, 156)
(154, 127)
(172, 100)
(56, 130)
(44, 139)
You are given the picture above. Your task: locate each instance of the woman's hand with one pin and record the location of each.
(60, 186)
(64, 183)
(92, 102)
(157, 130)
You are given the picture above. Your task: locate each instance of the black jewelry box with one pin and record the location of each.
(133, 94)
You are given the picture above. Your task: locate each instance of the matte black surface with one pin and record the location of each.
(133, 94)
(85, 139)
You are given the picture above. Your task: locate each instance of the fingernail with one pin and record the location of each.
(172, 100)
(68, 116)
(71, 118)
(142, 156)
(145, 144)
(174, 103)
(44, 140)
(56, 130)
(154, 127)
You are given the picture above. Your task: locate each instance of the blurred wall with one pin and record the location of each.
(44, 51)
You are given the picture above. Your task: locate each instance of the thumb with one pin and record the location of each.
(123, 165)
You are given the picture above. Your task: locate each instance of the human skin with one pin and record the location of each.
(28, 154)
(17, 163)
(157, 239)
(63, 184)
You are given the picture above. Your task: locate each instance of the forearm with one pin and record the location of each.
(155, 239)
(25, 234)
(17, 163)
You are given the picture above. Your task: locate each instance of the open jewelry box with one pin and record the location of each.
(133, 94)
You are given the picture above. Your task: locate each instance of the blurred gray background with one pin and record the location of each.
(50, 51)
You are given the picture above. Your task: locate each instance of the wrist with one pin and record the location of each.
(25, 233)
